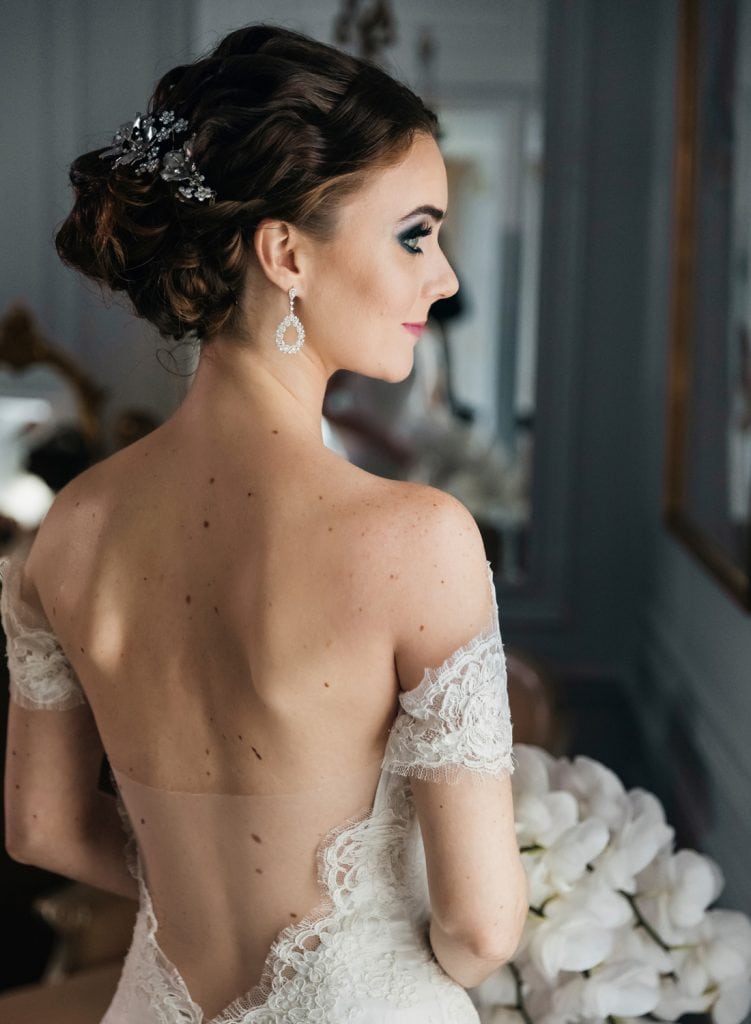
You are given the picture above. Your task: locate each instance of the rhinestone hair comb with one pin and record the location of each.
(140, 145)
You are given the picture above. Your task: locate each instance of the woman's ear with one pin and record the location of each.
(277, 248)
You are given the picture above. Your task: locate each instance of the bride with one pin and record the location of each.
(293, 667)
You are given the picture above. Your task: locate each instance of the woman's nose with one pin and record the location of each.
(447, 283)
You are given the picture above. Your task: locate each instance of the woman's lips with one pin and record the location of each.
(415, 329)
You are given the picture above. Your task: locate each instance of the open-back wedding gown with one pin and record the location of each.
(349, 848)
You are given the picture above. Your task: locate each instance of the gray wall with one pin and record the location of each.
(634, 608)
(72, 72)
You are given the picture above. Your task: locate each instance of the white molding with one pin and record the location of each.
(669, 678)
(722, 738)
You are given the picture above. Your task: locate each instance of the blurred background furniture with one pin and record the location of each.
(22, 345)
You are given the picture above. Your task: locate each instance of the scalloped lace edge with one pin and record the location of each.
(323, 916)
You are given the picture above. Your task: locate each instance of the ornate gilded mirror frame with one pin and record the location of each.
(706, 498)
(22, 345)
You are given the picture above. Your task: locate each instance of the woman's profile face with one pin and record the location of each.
(384, 268)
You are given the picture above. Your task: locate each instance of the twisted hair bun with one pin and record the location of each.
(285, 127)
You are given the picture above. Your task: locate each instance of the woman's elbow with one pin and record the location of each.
(501, 945)
(18, 848)
(28, 839)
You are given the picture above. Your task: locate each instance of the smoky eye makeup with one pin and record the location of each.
(412, 234)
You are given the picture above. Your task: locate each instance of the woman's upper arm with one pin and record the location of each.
(452, 735)
(54, 753)
(445, 596)
(52, 768)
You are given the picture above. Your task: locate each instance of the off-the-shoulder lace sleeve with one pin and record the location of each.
(456, 724)
(41, 677)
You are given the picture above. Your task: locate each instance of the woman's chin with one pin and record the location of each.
(401, 367)
(396, 374)
(393, 371)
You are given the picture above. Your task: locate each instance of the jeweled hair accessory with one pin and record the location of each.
(140, 145)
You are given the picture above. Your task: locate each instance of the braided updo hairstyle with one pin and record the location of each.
(286, 127)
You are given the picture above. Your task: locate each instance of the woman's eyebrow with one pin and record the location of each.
(431, 211)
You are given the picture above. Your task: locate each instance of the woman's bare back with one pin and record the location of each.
(229, 617)
(236, 625)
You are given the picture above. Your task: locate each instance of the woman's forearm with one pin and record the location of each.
(94, 855)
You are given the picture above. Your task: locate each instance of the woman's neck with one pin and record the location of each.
(240, 391)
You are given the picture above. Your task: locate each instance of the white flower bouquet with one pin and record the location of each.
(619, 928)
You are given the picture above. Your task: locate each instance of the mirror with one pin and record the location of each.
(49, 421)
(708, 481)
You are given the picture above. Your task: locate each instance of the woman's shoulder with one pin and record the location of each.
(424, 511)
(75, 519)
(442, 598)
(419, 524)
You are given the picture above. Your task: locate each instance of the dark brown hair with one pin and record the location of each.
(286, 127)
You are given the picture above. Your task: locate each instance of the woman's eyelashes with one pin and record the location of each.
(414, 233)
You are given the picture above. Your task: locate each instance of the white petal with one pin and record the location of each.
(578, 846)
(593, 896)
(540, 887)
(630, 943)
(598, 789)
(497, 990)
(673, 1003)
(625, 987)
(733, 1002)
(567, 1000)
(531, 772)
(542, 819)
(728, 949)
(570, 943)
(643, 834)
(696, 884)
(693, 977)
(498, 1015)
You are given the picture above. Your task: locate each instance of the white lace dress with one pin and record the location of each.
(362, 956)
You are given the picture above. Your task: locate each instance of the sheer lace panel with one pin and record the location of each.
(456, 723)
(362, 945)
(41, 677)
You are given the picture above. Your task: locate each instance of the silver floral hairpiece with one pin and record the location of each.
(139, 146)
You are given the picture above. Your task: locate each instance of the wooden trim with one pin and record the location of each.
(682, 312)
(683, 252)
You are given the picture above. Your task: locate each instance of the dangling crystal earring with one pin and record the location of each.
(290, 320)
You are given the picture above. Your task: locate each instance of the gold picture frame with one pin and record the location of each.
(706, 495)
